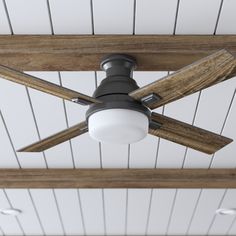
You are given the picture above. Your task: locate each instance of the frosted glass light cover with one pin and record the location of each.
(118, 126)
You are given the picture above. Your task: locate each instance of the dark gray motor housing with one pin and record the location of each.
(114, 89)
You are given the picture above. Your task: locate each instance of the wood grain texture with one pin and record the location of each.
(56, 139)
(117, 178)
(42, 85)
(188, 135)
(77, 53)
(204, 73)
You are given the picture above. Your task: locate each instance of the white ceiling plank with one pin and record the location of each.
(100, 76)
(117, 19)
(83, 82)
(155, 16)
(20, 199)
(47, 209)
(114, 155)
(4, 25)
(161, 204)
(146, 77)
(205, 211)
(223, 222)
(86, 152)
(138, 206)
(115, 209)
(85, 149)
(211, 113)
(197, 16)
(73, 17)
(69, 205)
(50, 117)
(225, 158)
(141, 159)
(183, 210)
(8, 158)
(92, 207)
(137, 158)
(227, 17)
(8, 224)
(18, 116)
(29, 17)
(232, 229)
(171, 155)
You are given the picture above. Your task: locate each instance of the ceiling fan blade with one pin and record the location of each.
(204, 73)
(56, 139)
(187, 135)
(45, 86)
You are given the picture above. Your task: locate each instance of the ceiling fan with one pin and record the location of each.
(120, 111)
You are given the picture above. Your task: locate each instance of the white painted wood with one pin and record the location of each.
(227, 18)
(113, 17)
(8, 224)
(211, 113)
(155, 16)
(8, 158)
(114, 155)
(20, 199)
(115, 209)
(197, 16)
(138, 205)
(162, 200)
(4, 26)
(69, 205)
(92, 207)
(223, 222)
(171, 155)
(17, 114)
(232, 229)
(225, 157)
(143, 154)
(47, 209)
(50, 118)
(205, 211)
(100, 76)
(29, 17)
(71, 17)
(85, 150)
(183, 210)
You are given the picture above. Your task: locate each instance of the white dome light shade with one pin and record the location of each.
(118, 126)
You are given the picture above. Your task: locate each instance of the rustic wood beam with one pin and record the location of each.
(79, 53)
(117, 178)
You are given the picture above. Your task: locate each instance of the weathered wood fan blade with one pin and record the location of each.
(45, 86)
(56, 139)
(187, 135)
(190, 79)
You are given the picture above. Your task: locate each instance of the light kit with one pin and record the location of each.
(226, 211)
(10, 212)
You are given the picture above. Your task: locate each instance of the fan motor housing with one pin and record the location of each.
(114, 89)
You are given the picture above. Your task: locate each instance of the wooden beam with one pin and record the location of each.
(77, 53)
(117, 178)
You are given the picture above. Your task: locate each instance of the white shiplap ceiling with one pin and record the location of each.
(27, 115)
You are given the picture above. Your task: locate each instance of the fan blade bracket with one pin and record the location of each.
(84, 129)
(82, 101)
(150, 99)
(154, 125)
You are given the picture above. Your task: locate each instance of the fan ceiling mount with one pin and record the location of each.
(119, 111)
